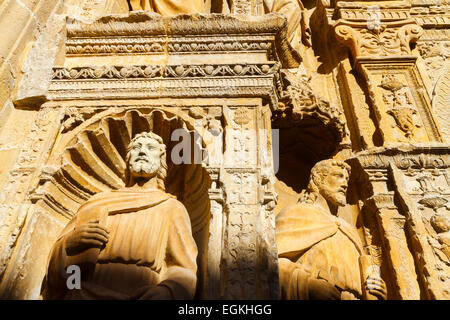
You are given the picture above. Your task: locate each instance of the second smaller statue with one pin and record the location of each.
(319, 253)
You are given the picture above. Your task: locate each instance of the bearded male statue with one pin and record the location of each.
(131, 243)
(320, 253)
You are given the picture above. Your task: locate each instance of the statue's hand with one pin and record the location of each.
(322, 290)
(376, 287)
(85, 236)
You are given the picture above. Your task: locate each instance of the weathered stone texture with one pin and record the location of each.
(258, 95)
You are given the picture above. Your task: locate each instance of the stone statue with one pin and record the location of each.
(319, 253)
(298, 30)
(132, 243)
(169, 7)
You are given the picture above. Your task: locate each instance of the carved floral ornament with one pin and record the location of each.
(405, 157)
(399, 104)
(175, 71)
(389, 39)
(141, 45)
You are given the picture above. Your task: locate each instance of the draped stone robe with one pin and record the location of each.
(150, 250)
(314, 244)
(169, 7)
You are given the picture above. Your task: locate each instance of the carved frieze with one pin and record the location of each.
(404, 156)
(210, 45)
(179, 71)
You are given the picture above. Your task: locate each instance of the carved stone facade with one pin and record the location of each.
(246, 106)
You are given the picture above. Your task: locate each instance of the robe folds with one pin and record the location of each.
(150, 250)
(314, 244)
(169, 7)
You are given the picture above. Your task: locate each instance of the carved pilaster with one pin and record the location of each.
(390, 224)
(15, 204)
(424, 194)
(247, 7)
(249, 254)
(216, 197)
(380, 46)
(408, 195)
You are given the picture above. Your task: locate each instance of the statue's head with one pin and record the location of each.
(330, 178)
(146, 158)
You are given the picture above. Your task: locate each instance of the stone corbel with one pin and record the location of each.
(380, 40)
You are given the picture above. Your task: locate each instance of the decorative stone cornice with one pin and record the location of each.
(182, 32)
(385, 39)
(404, 157)
(358, 11)
(139, 81)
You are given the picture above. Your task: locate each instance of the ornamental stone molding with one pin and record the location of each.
(386, 39)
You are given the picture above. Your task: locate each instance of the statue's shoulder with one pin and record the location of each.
(297, 210)
(103, 195)
(176, 206)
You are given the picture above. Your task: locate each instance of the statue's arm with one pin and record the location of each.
(54, 284)
(297, 284)
(293, 280)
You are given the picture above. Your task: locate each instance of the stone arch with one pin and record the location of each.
(91, 159)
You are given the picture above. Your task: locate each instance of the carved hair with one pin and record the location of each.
(318, 173)
(162, 171)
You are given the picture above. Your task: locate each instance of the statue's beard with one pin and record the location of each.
(336, 198)
(144, 169)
